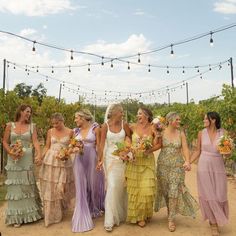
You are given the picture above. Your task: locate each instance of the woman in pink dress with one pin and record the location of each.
(56, 176)
(211, 176)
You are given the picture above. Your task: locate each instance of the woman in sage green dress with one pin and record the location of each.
(23, 199)
(172, 163)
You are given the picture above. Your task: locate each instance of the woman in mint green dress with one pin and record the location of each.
(24, 204)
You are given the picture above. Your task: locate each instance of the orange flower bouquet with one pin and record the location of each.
(63, 154)
(76, 145)
(124, 151)
(143, 144)
(17, 150)
(225, 145)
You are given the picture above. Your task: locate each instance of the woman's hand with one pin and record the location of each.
(187, 166)
(99, 165)
(38, 160)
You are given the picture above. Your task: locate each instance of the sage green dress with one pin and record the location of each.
(171, 189)
(24, 204)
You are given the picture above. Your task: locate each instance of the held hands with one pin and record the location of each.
(99, 165)
(38, 160)
(187, 166)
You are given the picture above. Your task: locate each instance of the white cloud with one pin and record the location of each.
(139, 12)
(135, 43)
(35, 7)
(28, 32)
(225, 6)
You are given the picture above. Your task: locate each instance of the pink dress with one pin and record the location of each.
(212, 181)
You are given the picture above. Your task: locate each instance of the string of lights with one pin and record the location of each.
(138, 54)
(70, 67)
(119, 95)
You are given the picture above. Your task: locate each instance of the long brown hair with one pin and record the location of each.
(21, 108)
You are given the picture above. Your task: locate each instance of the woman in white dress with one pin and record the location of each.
(114, 130)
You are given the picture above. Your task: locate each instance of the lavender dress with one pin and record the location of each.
(89, 184)
(212, 181)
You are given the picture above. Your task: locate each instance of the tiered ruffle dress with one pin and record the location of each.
(24, 204)
(56, 182)
(141, 182)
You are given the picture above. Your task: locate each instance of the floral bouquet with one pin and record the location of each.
(76, 145)
(63, 154)
(124, 151)
(17, 150)
(225, 145)
(142, 144)
(159, 123)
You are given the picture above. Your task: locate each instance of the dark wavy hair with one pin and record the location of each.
(21, 108)
(148, 113)
(212, 115)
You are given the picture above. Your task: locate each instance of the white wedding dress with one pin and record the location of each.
(116, 194)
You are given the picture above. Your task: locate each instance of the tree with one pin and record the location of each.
(39, 92)
(23, 90)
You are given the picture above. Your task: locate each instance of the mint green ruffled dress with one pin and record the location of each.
(24, 204)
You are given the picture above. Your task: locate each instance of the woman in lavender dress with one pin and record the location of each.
(89, 182)
(211, 176)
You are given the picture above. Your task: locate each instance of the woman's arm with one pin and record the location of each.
(101, 146)
(48, 143)
(185, 151)
(127, 134)
(6, 137)
(197, 152)
(38, 157)
(98, 137)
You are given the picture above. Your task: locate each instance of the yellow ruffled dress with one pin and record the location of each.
(141, 185)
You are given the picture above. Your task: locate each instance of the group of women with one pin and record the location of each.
(127, 191)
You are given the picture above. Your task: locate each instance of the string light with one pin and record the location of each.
(211, 40)
(33, 49)
(139, 60)
(71, 55)
(172, 51)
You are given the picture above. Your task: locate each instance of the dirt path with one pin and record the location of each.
(158, 226)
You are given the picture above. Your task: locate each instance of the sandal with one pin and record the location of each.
(142, 223)
(171, 226)
(108, 228)
(214, 230)
(17, 225)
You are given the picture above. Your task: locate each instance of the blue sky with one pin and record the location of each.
(118, 28)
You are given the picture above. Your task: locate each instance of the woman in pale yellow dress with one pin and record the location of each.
(140, 174)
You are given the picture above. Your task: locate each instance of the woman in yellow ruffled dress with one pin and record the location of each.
(140, 174)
